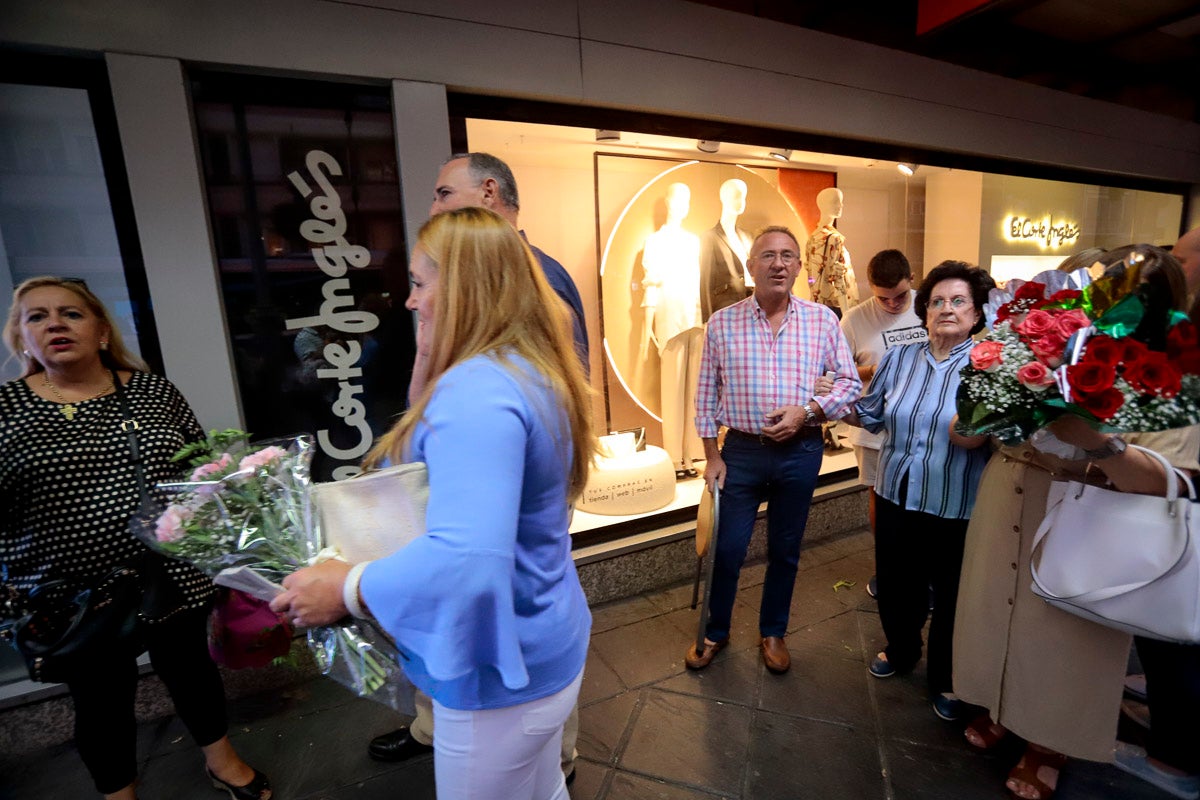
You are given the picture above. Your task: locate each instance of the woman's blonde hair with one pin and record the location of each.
(117, 356)
(493, 299)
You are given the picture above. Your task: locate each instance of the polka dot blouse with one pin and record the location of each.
(68, 487)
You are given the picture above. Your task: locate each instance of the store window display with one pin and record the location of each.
(671, 314)
(830, 273)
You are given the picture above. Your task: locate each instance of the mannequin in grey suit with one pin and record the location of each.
(724, 279)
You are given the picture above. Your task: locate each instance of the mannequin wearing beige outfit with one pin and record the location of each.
(671, 305)
(827, 260)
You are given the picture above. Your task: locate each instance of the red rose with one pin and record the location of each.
(1189, 361)
(1132, 351)
(1068, 322)
(1103, 350)
(1182, 338)
(1034, 375)
(1036, 323)
(1049, 348)
(1064, 296)
(1154, 374)
(985, 356)
(1003, 313)
(1030, 291)
(1090, 377)
(1102, 404)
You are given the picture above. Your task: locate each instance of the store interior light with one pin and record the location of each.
(707, 146)
(780, 154)
(907, 168)
(607, 136)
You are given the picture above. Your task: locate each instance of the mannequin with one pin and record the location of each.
(724, 279)
(830, 275)
(671, 309)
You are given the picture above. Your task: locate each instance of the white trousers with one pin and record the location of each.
(680, 361)
(503, 753)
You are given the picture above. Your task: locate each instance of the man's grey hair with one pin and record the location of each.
(482, 166)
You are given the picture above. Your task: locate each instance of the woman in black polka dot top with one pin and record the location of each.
(67, 490)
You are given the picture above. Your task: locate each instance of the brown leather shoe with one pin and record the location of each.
(695, 660)
(775, 654)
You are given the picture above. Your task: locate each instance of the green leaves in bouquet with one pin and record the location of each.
(196, 453)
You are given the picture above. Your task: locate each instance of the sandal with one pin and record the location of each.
(984, 734)
(1037, 773)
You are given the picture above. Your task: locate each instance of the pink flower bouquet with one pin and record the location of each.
(1065, 344)
(242, 506)
(245, 518)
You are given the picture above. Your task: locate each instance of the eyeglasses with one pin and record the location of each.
(956, 303)
(788, 257)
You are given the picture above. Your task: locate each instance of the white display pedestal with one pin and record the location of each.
(634, 483)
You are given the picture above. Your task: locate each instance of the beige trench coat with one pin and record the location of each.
(1048, 676)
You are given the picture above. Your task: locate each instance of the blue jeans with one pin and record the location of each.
(785, 476)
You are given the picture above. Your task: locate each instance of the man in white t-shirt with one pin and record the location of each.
(872, 327)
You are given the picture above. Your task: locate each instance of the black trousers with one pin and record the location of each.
(105, 726)
(913, 551)
(1173, 695)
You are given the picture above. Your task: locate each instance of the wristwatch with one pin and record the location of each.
(810, 416)
(1113, 447)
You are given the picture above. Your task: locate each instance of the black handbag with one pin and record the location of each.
(72, 621)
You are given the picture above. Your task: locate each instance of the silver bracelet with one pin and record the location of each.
(350, 591)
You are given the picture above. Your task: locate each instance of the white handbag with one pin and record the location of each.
(374, 514)
(1125, 561)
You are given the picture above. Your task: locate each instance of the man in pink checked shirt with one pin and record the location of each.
(761, 359)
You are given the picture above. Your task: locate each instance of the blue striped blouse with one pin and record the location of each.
(911, 400)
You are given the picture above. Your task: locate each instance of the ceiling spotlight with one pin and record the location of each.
(607, 136)
(907, 168)
(707, 146)
(780, 154)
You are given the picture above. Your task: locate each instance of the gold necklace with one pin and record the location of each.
(68, 408)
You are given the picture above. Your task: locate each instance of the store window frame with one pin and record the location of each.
(91, 75)
(244, 95)
(463, 106)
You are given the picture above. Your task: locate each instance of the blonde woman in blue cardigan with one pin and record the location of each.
(486, 607)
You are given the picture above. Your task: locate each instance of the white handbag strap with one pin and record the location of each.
(1172, 496)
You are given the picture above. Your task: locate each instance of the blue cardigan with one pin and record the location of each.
(487, 607)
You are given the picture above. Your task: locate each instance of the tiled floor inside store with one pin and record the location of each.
(649, 728)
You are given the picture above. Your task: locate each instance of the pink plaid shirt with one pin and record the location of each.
(746, 370)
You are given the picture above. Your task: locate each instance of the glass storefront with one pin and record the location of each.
(64, 206)
(594, 199)
(304, 204)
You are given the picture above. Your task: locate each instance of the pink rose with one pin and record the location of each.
(1049, 348)
(261, 458)
(206, 471)
(1068, 322)
(169, 527)
(1035, 376)
(986, 357)
(1036, 323)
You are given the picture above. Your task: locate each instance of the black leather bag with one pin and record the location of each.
(72, 623)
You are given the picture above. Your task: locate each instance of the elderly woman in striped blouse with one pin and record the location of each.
(925, 486)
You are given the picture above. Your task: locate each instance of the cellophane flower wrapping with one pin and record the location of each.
(244, 517)
(1070, 344)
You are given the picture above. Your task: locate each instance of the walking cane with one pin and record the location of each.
(704, 525)
(712, 556)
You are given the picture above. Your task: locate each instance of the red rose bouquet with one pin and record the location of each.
(1065, 344)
